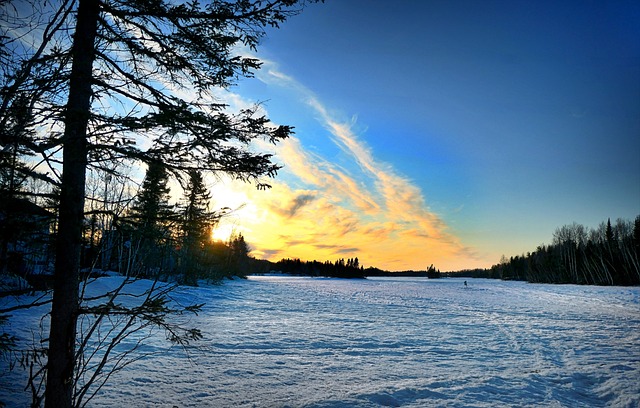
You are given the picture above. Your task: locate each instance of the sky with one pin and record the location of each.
(442, 132)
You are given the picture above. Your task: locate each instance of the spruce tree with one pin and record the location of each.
(152, 215)
(609, 234)
(238, 261)
(102, 74)
(196, 225)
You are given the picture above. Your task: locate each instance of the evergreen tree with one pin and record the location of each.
(238, 262)
(12, 141)
(609, 234)
(18, 216)
(196, 225)
(432, 272)
(98, 72)
(151, 207)
(197, 219)
(152, 215)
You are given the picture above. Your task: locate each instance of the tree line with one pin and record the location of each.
(606, 255)
(164, 240)
(141, 235)
(431, 272)
(350, 269)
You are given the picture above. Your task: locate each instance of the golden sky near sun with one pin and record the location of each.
(325, 212)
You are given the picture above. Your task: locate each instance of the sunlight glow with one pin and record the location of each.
(223, 232)
(319, 210)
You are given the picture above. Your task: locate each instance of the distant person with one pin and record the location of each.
(465, 284)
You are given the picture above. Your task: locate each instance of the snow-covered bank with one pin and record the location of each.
(303, 342)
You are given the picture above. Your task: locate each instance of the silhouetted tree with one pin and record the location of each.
(432, 272)
(195, 225)
(104, 74)
(601, 256)
(153, 215)
(339, 269)
(151, 208)
(610, 237)
(238, 259)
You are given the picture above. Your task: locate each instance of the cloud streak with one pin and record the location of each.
(320, 210)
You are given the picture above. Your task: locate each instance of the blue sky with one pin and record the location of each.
(468, 129)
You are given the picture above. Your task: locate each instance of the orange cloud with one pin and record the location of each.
(318, 210)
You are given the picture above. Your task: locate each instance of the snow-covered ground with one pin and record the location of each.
(278, 341)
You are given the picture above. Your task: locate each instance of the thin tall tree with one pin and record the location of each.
(152, 215)
(197, 222)
(134, 79)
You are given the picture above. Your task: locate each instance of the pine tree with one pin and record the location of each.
(151, 207)
(152, 215)
(196, 225)
(609, 234)
(196, 216)
(238, 260)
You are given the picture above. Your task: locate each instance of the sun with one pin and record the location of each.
(222, 232)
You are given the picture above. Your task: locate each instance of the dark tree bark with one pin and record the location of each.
(64, 313)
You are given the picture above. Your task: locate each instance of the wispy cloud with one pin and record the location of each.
(299, 202)
(323, 211)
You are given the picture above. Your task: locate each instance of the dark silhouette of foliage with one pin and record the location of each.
(606, 255)
(24, 235)
(151, 208)
(471, 273)
(238, 259)
(195, 224)
(431, 272)
(153, 218)
(351, 269)
(105, 75)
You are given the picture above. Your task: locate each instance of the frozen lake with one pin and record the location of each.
(308, 342)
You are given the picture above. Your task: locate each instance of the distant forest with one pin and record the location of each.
(606, 255)
(350, 269)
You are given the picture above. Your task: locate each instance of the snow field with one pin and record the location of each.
(277, 341)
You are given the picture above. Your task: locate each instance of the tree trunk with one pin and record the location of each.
(64, 312)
